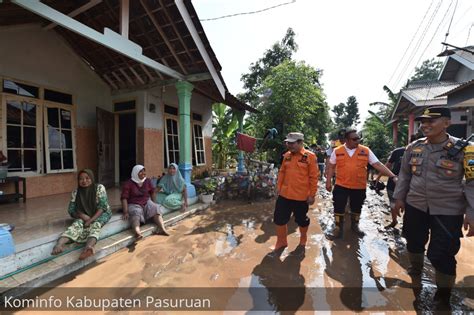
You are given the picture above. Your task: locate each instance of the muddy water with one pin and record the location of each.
(228, 246)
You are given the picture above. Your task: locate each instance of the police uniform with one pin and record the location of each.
(436, 198)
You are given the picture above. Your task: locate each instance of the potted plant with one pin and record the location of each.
(207, 190)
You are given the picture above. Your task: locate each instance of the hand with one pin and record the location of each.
(84, 217)
(310, 200)
(125, 216)
(469, 227)
(398, 209)
(87, 223)
(328, 185)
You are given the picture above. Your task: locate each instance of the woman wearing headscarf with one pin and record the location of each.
(172, 189)
(137, 204)
(90, 207)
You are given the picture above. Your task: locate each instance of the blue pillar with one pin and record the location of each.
(240, 158)
(185, 165)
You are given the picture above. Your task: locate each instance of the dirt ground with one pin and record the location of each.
(228, 248)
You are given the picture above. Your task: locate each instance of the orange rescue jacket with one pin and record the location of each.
(298, 175)
(351, 172)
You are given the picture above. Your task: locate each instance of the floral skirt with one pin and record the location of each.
(78, 233)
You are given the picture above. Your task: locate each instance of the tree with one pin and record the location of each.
(224, 126)
(259, 70)
(428, 71)
(347, 115)
(297, 103)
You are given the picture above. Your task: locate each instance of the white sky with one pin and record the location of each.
(358, 44)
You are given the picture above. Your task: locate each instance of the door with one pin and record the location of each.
(105, 147)
(127, 144)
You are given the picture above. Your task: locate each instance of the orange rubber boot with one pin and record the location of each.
(281, 232)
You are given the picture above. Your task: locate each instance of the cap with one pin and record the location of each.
(294, 136)
(435, 112)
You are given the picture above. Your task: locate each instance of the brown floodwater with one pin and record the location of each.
(228, 248)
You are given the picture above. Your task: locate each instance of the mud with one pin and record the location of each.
(229, 246)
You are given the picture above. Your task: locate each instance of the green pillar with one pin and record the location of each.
(240, 158)
(185, 163)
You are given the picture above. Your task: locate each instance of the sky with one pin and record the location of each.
(360, 45)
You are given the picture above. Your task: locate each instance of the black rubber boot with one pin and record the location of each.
(355, 224)
(416, 264)
(445, 284)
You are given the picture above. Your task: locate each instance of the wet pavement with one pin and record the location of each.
(228, 247)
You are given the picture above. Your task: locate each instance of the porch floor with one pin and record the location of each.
(43, 216)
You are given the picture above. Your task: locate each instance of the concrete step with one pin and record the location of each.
(37, 252)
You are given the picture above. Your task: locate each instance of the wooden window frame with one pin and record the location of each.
(195, 144)
(59, 106)
(165, 127)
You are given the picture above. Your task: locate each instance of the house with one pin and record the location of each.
(454, 88)
(105, 84)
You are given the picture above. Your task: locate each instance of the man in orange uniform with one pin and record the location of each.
(297, 185)
(350, 163)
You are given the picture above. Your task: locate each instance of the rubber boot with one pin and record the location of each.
(338, 231)
(445, 284)
(355, 224)
(416, 264)
(303, 235)
(281, 232)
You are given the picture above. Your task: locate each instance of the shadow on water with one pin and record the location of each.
(282, 280)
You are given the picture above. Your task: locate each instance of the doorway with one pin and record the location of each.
(127, 141)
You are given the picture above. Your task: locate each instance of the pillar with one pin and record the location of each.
(240, 157)
(185, 163)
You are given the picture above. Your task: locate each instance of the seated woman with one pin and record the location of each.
(90, 208)
(138, 207)
(172, 190)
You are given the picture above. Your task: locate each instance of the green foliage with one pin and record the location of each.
(261, 68)
(428, 71)
(208, 186)
(377, 136)
(297, 103)
(224, 126)
(347, 115)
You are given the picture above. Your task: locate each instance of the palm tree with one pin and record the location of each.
(224, 126)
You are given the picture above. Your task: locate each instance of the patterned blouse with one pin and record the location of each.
(102, 204)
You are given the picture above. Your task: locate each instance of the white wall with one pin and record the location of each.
(43, 58)
(167, 95)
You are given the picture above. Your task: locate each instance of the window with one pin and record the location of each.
(199, 156)
(171, 142)
(58, 97)
(20, 89)
(22, 135)
(121, 106)
(38, 136)
(171, 110)
(58, 138)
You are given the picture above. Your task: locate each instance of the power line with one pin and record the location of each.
(247, 13)
(411, 41)
(418, 44)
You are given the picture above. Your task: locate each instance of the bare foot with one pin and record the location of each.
(138, 236)
(58, 249)
(87, 252)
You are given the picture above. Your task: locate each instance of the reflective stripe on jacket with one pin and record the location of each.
(298, 175)
(351, 172)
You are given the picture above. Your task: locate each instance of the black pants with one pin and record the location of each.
(446, 230)
(285, 207)
(340, 195)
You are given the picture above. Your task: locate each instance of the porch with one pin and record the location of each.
(39, 222)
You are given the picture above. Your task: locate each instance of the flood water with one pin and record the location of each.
(228, 247)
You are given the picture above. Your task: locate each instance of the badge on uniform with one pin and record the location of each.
(469, 162)
(304, 158)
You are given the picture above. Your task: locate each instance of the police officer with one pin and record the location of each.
(431, 192)
(297, 185)
(350, 161)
